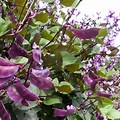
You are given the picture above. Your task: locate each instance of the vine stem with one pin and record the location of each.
(22, 23)
(22, 10)
(53, 37)
(28, 72)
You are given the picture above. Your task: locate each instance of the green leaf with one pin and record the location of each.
(54, 29)
(19, 5)
(67, 3)
(102, 71)
(65, 87)
(68, 58)
(111, 73)
(46, 34)
(42, 17)
(20, 60)
(56, 82)
(20, 2)
(4, 25)
(114, 51)
(75, 3)
(105, 105)
(102, 33)
(48, 1)
(72, 68)
(99, 40)
(113, 114)
(53, 59)
(52, 100)
(74, 117)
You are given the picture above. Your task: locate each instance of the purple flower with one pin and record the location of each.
(40, 79)
(89, 93)
(16, 51)
(85, 33)
(36, 54)
(61, 112)
(91, 79)
(70, 110)
(4, 115)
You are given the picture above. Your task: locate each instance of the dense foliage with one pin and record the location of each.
(54, 67)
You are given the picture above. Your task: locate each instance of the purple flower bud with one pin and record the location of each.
(89, 93)
(85, 33)
(16, 51)
(4, 115)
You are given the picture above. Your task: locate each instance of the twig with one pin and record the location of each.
(24, 19)
(22, 10)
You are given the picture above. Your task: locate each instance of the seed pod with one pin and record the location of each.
(85, 33)
(24, 92)
(7, 71)
(4, 115)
